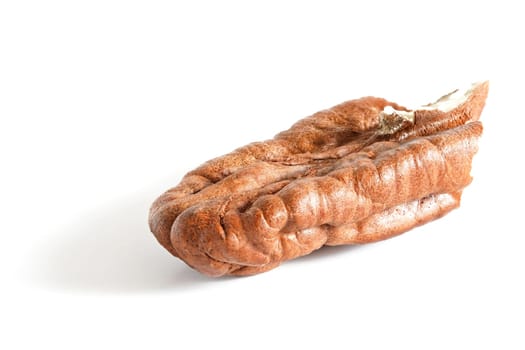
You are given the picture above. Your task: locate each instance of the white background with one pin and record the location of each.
(106, 104)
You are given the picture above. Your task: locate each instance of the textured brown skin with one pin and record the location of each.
(330, 179)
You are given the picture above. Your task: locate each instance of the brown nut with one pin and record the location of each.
(362, 171)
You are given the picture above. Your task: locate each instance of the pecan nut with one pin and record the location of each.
(362, 171)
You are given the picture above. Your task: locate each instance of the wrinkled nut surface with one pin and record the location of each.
(362, 171)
